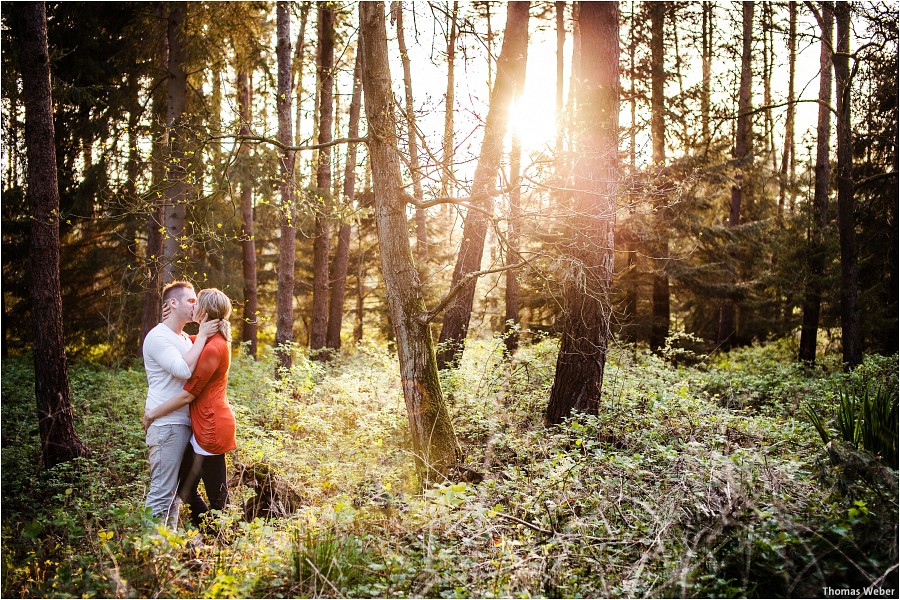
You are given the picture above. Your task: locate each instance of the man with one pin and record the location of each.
(169, 359)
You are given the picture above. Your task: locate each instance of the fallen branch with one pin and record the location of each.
(531, 526)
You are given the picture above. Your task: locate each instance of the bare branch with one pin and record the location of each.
(267, 140)
(872, 179)
(766, 107)
(428, 316)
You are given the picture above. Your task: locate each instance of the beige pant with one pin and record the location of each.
(166, 444)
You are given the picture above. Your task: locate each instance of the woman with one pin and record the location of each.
(212, 418)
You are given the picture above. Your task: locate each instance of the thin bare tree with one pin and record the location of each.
(812, 300)
(659, 328)
(786, 180)
(743, 156)
(412, 136)
(447, 188)
(341, 263)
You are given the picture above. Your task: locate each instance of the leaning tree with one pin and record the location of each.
(434, 440)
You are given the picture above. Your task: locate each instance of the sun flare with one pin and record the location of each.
(533, 118)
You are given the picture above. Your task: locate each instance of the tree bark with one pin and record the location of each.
(578, 380)
(510, 71)
(743, 149)
(659, 328)
(851, 333)
(434, 440)
(59, 441)
(412, 143)
(284, 331)
(177, 188)
(322, 241)
(341, 262)
(812, 300)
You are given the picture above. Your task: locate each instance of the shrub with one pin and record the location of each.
(866, 413)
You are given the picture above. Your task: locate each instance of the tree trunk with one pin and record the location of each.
(582, 355)
(248, 240)
(177, 189)
(152, 302)
(672, 9)
(297, 69)
(511, 320)
(489, 42)
(573, 81)
(447, 188)
(322, 241)
(361, 272)
(812, 300)
(705, 80)
(787, 158)
(510, 72)
(434, 440)
(342, 254)
(284, 330)
(743, 148)
(215, 122)
(560, 81)
(659, 328)
(768, 63)
(412, 143)
(851, 334)
(59, 441)
(628, 332)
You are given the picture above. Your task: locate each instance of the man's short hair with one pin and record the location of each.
(174, 288)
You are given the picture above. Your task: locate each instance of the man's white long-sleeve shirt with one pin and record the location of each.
(167, 371)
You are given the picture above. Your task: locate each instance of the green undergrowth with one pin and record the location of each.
(693, 481)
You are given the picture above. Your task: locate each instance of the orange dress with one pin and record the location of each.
(211, 417)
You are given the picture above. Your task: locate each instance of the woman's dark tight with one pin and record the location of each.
(211, 470)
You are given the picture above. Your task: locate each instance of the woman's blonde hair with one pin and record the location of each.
(216, 305)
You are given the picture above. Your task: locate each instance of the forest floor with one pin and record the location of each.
(694, 481)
